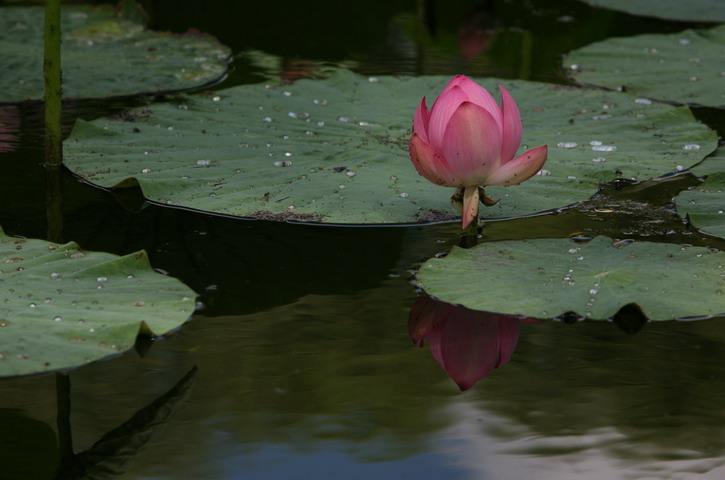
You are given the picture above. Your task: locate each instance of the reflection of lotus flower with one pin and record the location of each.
(468, 344)
(467, 140)
(475, 36)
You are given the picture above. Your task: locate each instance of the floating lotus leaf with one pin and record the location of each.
(335, 150)
(63, 307)
(686, 67)
(548, 277)
(689, 11)
(712, 164)
(103, 55)
(704, 204)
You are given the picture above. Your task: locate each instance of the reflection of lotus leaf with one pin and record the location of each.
(116, 451)
(685, 67)
(104, 31)
(550, 277)
(335, 150)
(63, 307)
(103, 55)
(28, 447)
(9, 128)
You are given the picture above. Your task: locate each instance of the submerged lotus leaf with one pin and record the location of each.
(686, 67)
(687, 11)
(549, 277)
(336, 150)
(63, 307)
(103, 55)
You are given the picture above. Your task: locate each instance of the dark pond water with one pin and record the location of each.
(305, 365)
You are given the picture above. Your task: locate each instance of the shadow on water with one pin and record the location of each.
(31, 450)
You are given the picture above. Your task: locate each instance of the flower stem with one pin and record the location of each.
(53, 93)
(469, 236)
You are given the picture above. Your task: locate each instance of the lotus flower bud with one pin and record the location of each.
(466, 140)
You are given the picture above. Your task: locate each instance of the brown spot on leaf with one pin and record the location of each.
(286, 216)
(434, 216)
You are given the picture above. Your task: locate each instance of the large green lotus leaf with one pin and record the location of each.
(103, 54)
(685, 67)
(335, 150)
(64, 307)
(549, 277)
(687, 11)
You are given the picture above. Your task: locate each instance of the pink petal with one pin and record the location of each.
(424, 317)
(454, 82)
(470, 205)
(431, 163)
(508, 337)
(443, 108)
(472, 144)
(480, 96)
(511, 122)
(467, 346)
(520, 168)
(420, 120)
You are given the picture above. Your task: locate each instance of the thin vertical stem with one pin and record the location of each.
(54, 203)
(525, 57)
(65, 439)
(469, 236)
(53, 89)
(421, 33)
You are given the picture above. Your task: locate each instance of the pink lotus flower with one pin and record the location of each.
(468, 344)
(466, 140)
